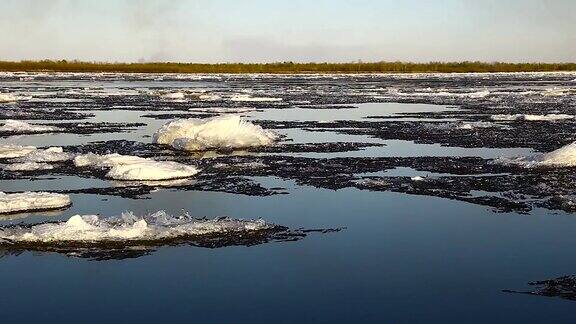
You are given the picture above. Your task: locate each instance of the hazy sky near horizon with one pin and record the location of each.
(289, 30)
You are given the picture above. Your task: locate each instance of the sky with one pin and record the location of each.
(213, 31)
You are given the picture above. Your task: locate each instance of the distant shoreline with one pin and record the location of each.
(284, 67)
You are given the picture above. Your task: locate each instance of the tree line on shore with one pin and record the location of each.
(283, 67)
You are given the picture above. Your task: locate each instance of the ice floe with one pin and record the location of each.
(175, 96)
(51, 154)
(17, 126)
(562, 157)
(473, 125)
(125, 167)
(528, 117)
(128, 227)
(224, 132)
(7, 97)
(13, 151)
(249, 98)
(32, 201)
(28, 166)
(219, 110)
(430, 93)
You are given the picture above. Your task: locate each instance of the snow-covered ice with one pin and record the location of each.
(128, 227)
(51, 154)
(249, 98)
(28, 166)
(562, 157)
(223, 110)
(31, 154)
(17, 126)
(224, 132)
(31, 201)
(7, 97)
(176, 96)
(126, 167)
(431, 93)
(528, 117)
(14, 151)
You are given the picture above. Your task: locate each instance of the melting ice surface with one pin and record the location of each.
(125, 167)
(529, 117)
(248, 98)
(17, 126)
(224, 132)
(562, 157)
(27, 201)
(151, 227)
(7, 97)
(13, 151)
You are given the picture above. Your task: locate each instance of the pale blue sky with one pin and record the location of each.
(296, 30)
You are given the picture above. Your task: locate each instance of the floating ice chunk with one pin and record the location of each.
(417, 178)
(555, 92)
(154, 183)
(223, 132)
(17, 126)
(548, 117)
(478, 94)
(7, 97)
(28, 166)
(32, 201)
(562, 157)
(246, 97)
(151, 170)
(105, 161)
(472, 125)
(178, 96)
(125, 167)
(223, 110)
(209, 97)
(128, 227)
(51, 154)
(430, 93)
(14, 151)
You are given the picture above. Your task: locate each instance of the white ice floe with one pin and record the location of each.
(51, 154)
(28, 166)
(125, 167)
(17, 126)
(128, 227)
(562, 157)
(176, 96)
(31, 201)
(14, 151)
(8, 97)
(430, 93)
(417, 178)
(218, 110)
(209, 97)
(247, 98)
(473, 125)
(528, 117)
(224, 132)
